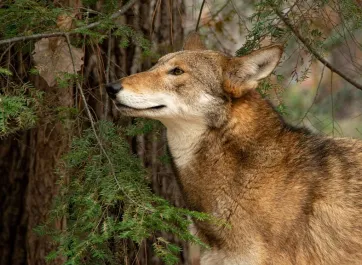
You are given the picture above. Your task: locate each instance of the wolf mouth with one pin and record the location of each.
(150, 108)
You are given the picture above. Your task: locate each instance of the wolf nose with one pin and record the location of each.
(113, 89)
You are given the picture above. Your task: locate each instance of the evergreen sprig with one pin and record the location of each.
(110, 201)
(25, 17)
(18, 107)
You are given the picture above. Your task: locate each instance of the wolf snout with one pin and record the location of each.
(113, 89)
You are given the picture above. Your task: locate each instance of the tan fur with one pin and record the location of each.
(290, 197)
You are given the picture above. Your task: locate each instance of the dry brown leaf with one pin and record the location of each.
(52, 58)
(64, 22)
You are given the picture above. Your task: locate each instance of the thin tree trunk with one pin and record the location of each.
(27, 169)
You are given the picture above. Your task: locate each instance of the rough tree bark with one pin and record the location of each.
(28, 160)
(27, 170)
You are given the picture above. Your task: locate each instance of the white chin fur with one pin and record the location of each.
(185, 123)
(175, 106)
(143, 101)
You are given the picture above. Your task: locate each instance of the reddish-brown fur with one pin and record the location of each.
(289, 196)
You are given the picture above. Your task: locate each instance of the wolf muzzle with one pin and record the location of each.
(113, 89)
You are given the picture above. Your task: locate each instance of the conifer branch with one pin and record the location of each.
(119, 13)
(313, 51)
(91, 120)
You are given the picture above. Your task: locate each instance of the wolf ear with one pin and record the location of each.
(194, 42)
(244, 73)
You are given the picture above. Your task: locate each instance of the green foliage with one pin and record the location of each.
(6, 72)
(93, 35)
(65, 80)
(267, 24)
(163, 248)
(126, 33)
(351, 13)
(141, 126)
(264, 25)
(106, 199)
(67, 115)
(27, 17)
(266, 88)
(18, 108)
(34, 71)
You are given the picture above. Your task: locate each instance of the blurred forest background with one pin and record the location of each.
(78, 180)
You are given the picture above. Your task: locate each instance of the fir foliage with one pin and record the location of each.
(25, 17)
(18, 107)
(106, 199)
(142, 126)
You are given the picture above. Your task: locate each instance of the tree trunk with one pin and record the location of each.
(27, 169)
(28, 160)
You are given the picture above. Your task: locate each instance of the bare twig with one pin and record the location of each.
(109, 49)
(89, 114)
(120, 12)
(6, 50)
(313, 51)
(157, 7)
(171, 21)
(220, 10)
(332, 105)
(315, 97)
(198, 20)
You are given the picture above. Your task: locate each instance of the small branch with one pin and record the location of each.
(93, 126)
(313, 51)
(31, 37)
(315, 96)
(198, 20)
(109, 51)
(6, 50)
(219, 11)
(89, 114)
(120, 12)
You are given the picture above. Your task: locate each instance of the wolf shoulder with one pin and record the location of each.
(327, 151)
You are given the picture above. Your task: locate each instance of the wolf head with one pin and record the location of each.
(194, 85)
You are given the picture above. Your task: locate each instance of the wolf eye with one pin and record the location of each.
(176, 71)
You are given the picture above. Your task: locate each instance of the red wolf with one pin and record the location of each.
(290, 196)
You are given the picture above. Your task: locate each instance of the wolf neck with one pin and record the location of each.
(183, 139)
(207, 159)
(252, 121)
